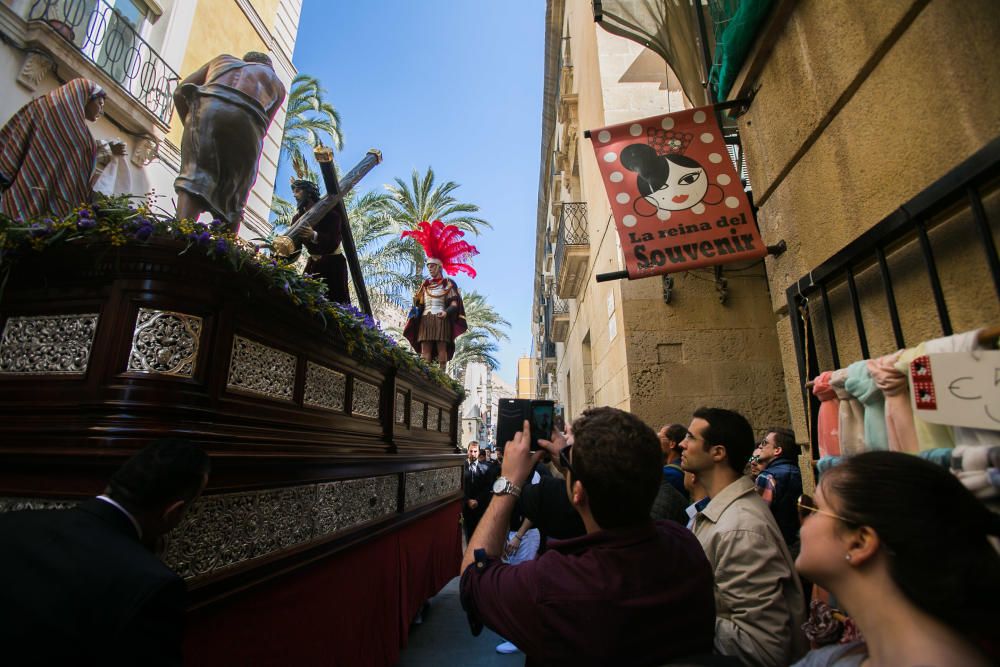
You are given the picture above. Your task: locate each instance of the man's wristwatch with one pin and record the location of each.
(503, 487)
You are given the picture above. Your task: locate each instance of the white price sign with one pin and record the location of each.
(957, 388)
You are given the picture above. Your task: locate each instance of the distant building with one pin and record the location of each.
(485, 389)
(472, 424)
(526, 377)
(138, 51)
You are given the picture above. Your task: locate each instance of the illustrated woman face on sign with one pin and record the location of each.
(671, 182)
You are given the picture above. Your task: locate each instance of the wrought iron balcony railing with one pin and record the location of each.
(573, 224)
(109, 40)
(559, 306)
(573, 230)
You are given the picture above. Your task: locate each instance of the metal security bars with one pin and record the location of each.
(956, 196)
(108, 39)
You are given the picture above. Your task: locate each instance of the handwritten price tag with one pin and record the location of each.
(957, 389)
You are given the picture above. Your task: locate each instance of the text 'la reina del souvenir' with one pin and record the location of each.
(676, 198)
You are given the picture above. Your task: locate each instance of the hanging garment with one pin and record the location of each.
(976, 467)
(929, 436)
(826, 463)
(860, 383)
(828, 421)
(940, 456)
(964, 342)
(851, 416)
(899, 427)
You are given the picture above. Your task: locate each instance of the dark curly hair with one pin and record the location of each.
(617, 458)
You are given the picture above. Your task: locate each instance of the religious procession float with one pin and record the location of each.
(332, 511)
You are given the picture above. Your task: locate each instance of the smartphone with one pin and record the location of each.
(511, 414)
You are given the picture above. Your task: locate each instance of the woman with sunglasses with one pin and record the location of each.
(903, 547)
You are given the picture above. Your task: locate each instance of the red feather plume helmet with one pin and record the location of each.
(443, 245)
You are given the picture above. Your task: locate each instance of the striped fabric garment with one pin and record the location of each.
(47, 154)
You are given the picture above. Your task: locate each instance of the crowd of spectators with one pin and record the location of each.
(894, 541)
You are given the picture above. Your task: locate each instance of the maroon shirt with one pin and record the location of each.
(638, 596)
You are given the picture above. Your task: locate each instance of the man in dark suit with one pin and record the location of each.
(83, 586)
(479, 478)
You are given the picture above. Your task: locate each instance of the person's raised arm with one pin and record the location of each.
(197, 78)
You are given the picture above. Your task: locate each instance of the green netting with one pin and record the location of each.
(735, 24)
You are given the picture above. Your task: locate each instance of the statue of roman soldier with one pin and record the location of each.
(438, 316)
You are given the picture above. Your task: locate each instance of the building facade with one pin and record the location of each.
(525, 381)
(484, 389)
(138, 51)
(875, 158)
(657, 348)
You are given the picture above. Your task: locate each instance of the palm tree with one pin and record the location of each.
(482, 317)
(479, 343)
(423, 199)
(282, 211)
(310, 119)
(386, 259)
(473, 347)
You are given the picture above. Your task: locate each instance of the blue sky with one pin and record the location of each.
(452, 84)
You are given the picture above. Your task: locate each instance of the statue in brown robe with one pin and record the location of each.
(226, 108)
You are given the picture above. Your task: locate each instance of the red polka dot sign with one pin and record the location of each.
(675, 194)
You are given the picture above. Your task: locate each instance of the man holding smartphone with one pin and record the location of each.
(610, 596)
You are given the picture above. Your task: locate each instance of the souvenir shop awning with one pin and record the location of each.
(667, 27)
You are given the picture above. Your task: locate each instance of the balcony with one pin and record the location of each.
(572, 256)
(559, 319)
(109, 40)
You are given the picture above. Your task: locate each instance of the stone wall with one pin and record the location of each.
(848, 124)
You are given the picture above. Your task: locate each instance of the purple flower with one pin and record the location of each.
(218, 225)
(221, 247)
(144, 232)
(204, 238)
(286, 288)
(85, 223)
(86, 213)
(38, 230)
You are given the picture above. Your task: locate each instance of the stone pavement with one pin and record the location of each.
(444, 638)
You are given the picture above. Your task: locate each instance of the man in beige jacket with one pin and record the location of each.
(759, 606)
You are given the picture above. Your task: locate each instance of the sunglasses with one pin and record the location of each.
(564, 458)
(807, 506)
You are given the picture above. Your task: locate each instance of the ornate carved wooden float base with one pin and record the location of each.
(318, 454)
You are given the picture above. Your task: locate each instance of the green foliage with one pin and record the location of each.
(310, 119)
(119, 221)
(386, 260)
(423, 199)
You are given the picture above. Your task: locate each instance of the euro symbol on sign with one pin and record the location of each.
(954, 390)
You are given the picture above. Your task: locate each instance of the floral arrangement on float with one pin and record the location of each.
(125, 220)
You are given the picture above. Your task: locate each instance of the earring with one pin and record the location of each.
(847, 557)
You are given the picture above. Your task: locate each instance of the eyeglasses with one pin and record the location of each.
(564, 458)
(807, 506)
